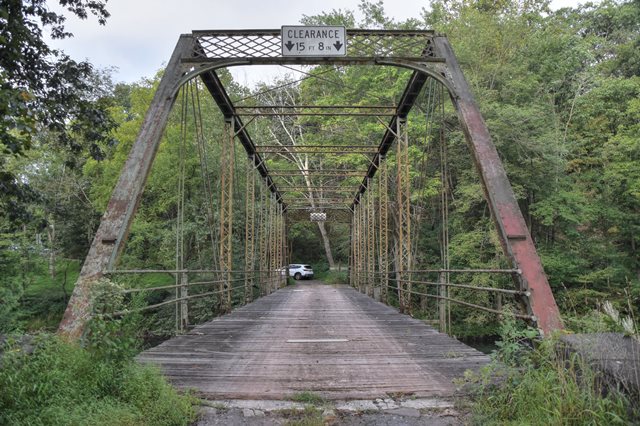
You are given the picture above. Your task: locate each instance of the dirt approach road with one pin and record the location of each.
(326, 339)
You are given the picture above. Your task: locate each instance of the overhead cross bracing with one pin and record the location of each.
(377, 198)
(234, 113)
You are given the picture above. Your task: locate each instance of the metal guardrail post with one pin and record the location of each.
(184, 303)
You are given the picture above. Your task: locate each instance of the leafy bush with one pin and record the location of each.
(61, 383)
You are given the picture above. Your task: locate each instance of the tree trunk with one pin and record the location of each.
(326, 243)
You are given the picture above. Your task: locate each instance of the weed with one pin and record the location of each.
(310, 416)
(308, 398)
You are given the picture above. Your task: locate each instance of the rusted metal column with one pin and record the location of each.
(272, 242)
(116, 221)
(357, 258)
(403, 194)
(442, 302)
(227, 160)
(263, 229)
(285, 246)
(279, 251)
(362, 250)
(184, 303)
(352, 275)
(371, 239)
(354, 249)
(383, 228)
(512, 229)
(249, 233)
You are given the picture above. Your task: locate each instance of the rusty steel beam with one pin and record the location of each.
(319, 207)
(316, 149)
(320, 188)
(263, 234)
(390, 108)
(313, 114)
(314, 173)
(116, 221)
(512, 229)
(371, 242)
(403, 197)
(383, 228)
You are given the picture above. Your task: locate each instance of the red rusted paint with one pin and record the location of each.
(512, 229)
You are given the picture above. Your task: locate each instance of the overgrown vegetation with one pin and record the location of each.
(49, 381)
(537, 383)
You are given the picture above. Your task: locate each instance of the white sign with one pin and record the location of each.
(314, 41)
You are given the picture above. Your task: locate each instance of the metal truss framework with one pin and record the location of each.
(428, 55)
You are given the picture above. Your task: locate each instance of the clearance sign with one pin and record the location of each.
(314, 41)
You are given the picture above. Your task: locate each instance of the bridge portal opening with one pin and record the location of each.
(249, 167)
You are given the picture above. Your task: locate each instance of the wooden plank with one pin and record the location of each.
(330, 340)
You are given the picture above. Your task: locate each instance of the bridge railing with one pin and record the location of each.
(432, 292)
(173, 301)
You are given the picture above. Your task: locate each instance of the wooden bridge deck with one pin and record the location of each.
(330, 340)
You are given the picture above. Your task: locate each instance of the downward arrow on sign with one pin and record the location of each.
(338, 45)
(289, 45)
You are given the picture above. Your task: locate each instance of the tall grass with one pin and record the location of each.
(64, 384)
(543, 386)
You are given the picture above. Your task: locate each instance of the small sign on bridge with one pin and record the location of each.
(314, 41)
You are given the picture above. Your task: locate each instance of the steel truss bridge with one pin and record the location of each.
(381, 259)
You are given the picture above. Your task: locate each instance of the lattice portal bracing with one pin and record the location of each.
(253, 44)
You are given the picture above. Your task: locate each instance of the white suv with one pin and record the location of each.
(298, 271)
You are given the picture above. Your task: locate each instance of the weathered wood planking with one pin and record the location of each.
(246, 354)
